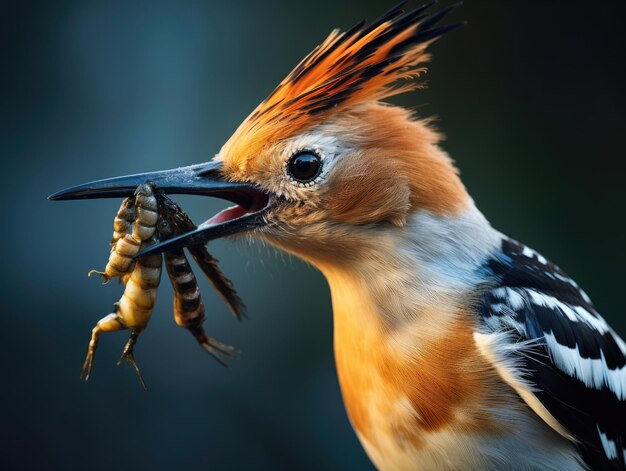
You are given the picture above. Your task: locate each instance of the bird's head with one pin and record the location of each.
(322, 162)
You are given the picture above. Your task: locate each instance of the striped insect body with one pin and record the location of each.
(144, 225)
(140, 295)
(123, 220)
(189, 310)
(137, 214)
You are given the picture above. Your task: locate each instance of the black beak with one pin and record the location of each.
(202, 179)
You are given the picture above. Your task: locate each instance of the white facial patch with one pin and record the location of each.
(326, 146)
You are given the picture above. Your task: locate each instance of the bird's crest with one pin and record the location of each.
(367, 63)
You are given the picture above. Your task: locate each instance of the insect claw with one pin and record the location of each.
(105, 278)
(87, 365)
(226, 349)
(130, 359)
(213, 347)
(211, 351)
(129, 356)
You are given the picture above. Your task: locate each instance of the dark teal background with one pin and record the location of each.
(531, 95)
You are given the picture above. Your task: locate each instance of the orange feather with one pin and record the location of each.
(367, 63)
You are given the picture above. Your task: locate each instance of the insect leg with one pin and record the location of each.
(121, 260)
(129, 356)
(108, 323)
(220, 282)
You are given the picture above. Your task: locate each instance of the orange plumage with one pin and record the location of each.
(367, 63)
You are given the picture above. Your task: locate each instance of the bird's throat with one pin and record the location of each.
(406, 359)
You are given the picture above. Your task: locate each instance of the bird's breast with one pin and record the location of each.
(408, 387)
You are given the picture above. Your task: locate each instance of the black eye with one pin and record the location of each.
(305, 166)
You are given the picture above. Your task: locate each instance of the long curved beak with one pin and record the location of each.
(203, 179)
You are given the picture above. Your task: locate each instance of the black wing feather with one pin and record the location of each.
(565, 324)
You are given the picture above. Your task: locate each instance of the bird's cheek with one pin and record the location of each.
(382, 200)
(297, 214)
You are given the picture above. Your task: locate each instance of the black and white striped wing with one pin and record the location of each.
(569, 364)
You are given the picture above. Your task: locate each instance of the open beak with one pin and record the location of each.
(202, 179)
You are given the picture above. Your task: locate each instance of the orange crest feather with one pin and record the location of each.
(367, 63)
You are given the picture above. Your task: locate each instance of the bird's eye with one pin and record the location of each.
(304, 167)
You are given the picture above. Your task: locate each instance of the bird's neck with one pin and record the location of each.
(435, 261)
(398, 316)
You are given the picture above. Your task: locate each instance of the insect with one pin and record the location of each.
(189, 311)
(141, 277)
(143, 220)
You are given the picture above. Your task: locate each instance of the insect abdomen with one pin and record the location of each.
(147, 213)
(140, 295)
(188, 307)
(123, 220)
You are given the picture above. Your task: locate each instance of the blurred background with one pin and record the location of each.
(530, 94)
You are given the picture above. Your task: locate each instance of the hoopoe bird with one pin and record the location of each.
(456, 347)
